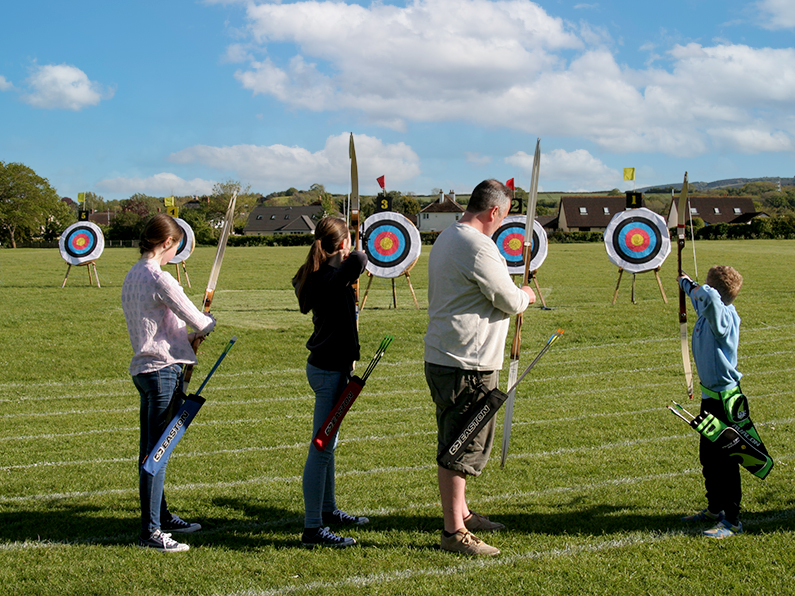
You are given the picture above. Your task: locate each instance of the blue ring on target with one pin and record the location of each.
(636, 240)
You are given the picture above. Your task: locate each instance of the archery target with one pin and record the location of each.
(637, 240)
(392, 244)
(186, 245)
(509, 238)
(81, 242)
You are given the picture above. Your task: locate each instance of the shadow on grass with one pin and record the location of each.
(252, 526)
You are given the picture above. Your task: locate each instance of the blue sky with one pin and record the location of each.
(170, 97)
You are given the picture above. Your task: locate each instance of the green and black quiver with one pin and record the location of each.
(743, 444)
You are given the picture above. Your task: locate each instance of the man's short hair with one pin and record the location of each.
(488, 194)
(726, 280)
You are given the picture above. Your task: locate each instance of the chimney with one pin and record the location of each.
(452, 195)
(441, 196)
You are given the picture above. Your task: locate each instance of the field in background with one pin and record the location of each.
(597, 479)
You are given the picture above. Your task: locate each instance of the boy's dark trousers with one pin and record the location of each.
(721, 473)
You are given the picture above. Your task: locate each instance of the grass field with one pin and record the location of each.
(597, 479)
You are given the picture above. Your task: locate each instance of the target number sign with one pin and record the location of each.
(186, 245)
(81, 242)
(509, 238)
(392, 244)
(637, 240)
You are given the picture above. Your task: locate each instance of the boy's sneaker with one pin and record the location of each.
(705, 515)
(464, 541)
(179, 525)
(162, 542)
(324, 537)
(340, 518)
(724, 529)
(480, 523)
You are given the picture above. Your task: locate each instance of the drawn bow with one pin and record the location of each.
(229, 220)
(513, 370)
(680, 233)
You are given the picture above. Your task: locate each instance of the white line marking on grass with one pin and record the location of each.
(468, 566)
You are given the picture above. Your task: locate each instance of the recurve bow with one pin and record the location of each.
(680, 233)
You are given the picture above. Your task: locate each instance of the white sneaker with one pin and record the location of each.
(162, 542)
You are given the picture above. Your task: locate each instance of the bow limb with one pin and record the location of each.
(229, 220)
(354, 203)
(680, 234)
(516, 345)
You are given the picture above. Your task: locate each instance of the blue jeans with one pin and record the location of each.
(318, 479)
(157, 390)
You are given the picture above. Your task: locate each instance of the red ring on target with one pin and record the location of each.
(387, 243)
(637, 240)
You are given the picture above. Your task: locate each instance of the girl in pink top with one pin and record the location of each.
(157, 310)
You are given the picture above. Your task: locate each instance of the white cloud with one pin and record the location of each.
(576, 169)
(508, 63)
(477, 159)
(163, 184)
(5, 84)
(278, 165)
(777, 14)
(62, 86)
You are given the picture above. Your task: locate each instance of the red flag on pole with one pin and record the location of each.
(381, 181)
(510, 184)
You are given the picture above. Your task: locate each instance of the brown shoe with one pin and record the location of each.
(480, 523)
(467, 543)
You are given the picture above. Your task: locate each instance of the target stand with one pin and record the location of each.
(656, 274)
(637, 241)
(185, 270)
(88, 265)
(370, 277)
(81, 244)
(393, 247)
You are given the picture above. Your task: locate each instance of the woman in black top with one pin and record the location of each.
(323, 285)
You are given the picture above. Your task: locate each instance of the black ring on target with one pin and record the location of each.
(636, 240)
(387, 243)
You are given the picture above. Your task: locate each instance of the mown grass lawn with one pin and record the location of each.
(598, 475)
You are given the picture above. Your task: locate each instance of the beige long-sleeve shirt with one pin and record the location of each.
(471, 298)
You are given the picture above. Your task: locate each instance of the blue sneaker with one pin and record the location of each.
(705, 515)
(724, 529)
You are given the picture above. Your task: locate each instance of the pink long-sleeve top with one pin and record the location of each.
(157, 310)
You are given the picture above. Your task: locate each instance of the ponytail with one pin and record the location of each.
(329, 234)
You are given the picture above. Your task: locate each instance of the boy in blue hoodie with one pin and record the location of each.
(716, 337)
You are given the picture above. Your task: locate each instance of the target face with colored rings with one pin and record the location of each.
(509, 238)
(81, 242)
(392, 244)
(637, 240)
(186, 245)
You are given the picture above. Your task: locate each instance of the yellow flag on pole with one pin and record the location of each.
(169, 201)
(629, 173)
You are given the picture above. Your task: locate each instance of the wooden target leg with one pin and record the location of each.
(659, 283)
(63, 285)
(615, 294)
(538, 289)
(179, 279)
(394, 294)
(96, 273)
(411, 288)
(633, 289)
(90, 280)
(185, 269)
(367, 289)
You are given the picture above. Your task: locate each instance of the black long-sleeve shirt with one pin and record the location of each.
(334, 343)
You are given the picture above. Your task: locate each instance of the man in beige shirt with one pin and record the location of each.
(471, 298)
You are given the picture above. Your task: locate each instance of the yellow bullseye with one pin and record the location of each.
(514, 244)
(386, 243)
(637, 239)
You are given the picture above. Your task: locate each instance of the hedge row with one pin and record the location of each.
(768, 227)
